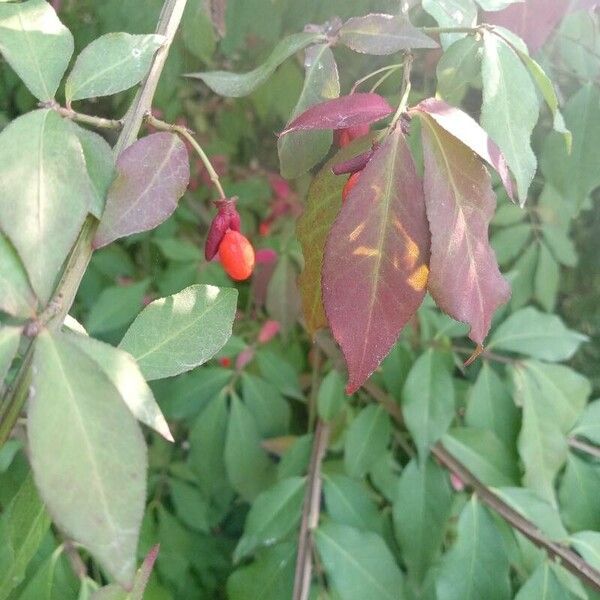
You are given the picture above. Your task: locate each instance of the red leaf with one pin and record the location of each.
(532, 20)
(152, 174)
(345, 111)
(469, 132)
(375, 265)
(464, 278)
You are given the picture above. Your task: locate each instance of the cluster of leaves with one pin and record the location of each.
(219, 477)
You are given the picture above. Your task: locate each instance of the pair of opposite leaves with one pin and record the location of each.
(398, 235)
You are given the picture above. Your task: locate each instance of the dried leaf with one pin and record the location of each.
(465, 280)
(375, 267)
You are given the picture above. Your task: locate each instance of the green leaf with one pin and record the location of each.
(349, 502)
(100, 166)
(9, 344)
(582, 116)
(175, 334)
(197, 31)
(23, 525)
(458, 69)
(483, 454)
(53, 580)
(36, 45)
(538, 335)
(523, 276)
(236, 85)
(125, 375)
(16, 296)
(382, 34)
(510, 108)
(112, 63)
(543, 584)
(428, 400)
(421, 509)
(283, 302)
(541, 513)
(207, 447)
(178, 250)
(273, 515)
(322, 207)
(588, 424)
(578, 495)
(331, 397)
(508, 242)
(587, 543)
(270, 577)
(45, 192)
(116, 306)
(547, 277)
(99, 456)
(451, 13)
(270, 410)
(552, 397)
(476, 566)
(302, 150)
(358, 563)
(367, 439)
(190, 505)
(560, 244)
(490, 406)
(249, 468)
(280, 373)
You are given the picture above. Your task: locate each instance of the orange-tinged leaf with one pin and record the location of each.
(376, 256)
(464, 277)
(322, 206)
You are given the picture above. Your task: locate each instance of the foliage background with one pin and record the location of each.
(396, 517)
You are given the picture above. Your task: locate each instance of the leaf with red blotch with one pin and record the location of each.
(532, 20)
(469, 132)
(323, 203)
(464, 278)
(375, 266)
(381, 34)
(152, 174)
(345, 111)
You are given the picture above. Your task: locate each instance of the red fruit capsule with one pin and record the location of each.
(352, 181)
(237, 255)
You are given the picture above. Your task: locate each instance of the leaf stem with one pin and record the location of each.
(404, 92)
(186, 134)
(60, 304)
(390, 68)
(438, 30)
(91, 120)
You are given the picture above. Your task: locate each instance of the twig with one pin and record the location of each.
(584, 447)
(77, 564)
(98, 122)
(310, 513)
(185, 133)
(405, 91)
(63, 297)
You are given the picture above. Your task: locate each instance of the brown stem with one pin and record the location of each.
(310, 513)
(584, 447)
(91, 120)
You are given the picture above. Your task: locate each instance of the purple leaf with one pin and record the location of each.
(464, 278)
(345, 111)
(375, 266)
(356, 163)
(153, 173)
(381, 34)
(469, 132)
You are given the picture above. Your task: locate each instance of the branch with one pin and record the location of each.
(567, 557)
(584, 447)
(310, 513)
(77, 263)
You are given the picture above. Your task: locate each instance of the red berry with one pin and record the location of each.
(264, 228)
(352, 181)
(237, 255)
(225, 361)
